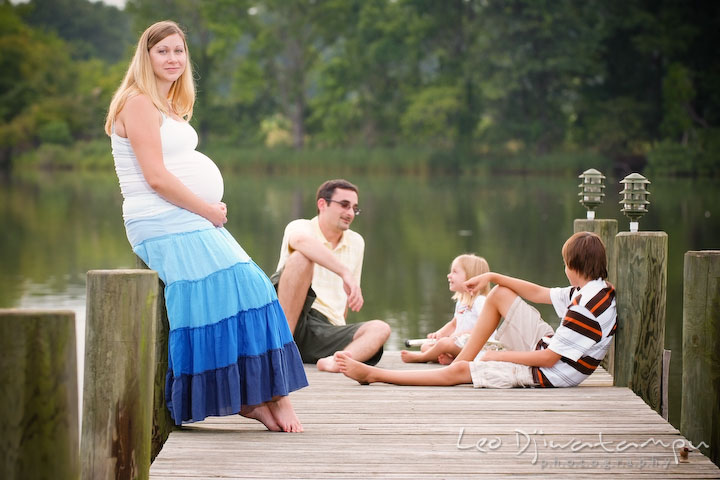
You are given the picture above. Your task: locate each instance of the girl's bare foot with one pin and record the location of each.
(262, 414)
(445, 359)
(412, 357)
(284, 414)
(328, 364)
(354, 369)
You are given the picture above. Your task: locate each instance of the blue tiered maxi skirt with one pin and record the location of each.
(229, 342)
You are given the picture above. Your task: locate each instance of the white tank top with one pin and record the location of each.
(195, 170)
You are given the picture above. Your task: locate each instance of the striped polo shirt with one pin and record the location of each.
(588, 325)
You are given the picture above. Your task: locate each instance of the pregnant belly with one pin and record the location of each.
(200, 174)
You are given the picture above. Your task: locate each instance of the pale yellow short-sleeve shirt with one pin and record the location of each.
(331, 299)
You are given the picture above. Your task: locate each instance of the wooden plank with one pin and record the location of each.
(385, 431)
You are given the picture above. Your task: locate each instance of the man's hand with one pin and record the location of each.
(354, 294)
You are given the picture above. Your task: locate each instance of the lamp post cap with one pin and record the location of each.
(591, 172)
(634, 178)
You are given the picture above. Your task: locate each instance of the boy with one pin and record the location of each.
(535, 355)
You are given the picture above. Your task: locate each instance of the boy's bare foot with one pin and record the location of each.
(328, 364)
(445, 359)
(352, 368)
(284, 414)
(262, 414)
(412, 357)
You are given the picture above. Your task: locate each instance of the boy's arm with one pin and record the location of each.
(445, 331)
(527, 290)
(535, 358)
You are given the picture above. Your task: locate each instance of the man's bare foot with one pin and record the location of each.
(412, 357)
(445, 359)
(328, 364)
(262, 414)
(284, 414)
(352, 368)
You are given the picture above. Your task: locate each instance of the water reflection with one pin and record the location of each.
(55, 228)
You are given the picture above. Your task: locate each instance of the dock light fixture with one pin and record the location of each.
(634, 200)
(591, 191)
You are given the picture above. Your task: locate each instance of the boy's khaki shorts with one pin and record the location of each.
(521, 330)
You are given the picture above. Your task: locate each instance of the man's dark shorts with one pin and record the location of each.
(316, 337)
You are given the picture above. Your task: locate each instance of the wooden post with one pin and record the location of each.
(163, 423)
(641, 291)
(39, 392)
(119, 372)
(700, 416)
(607, 229)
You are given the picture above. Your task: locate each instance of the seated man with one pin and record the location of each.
(318, 280)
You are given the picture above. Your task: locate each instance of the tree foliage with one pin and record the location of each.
(625, 78)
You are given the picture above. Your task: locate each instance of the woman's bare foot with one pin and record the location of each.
(328, 364)
(412, 357)
(445, 359)
(284, 414)
(262, 414)
(354, 369)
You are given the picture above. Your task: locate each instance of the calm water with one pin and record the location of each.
(57, 227)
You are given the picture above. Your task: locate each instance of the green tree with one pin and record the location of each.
(678, 92)
(430, 117)
(453, 46)
(35, 68)
(45, 95)
(536, 56)
(93, 29)
(288, 38)
(370, 67)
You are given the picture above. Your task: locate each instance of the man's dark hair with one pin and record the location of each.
(327, 189)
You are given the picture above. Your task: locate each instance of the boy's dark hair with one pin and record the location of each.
(327, 189)
(584, 253)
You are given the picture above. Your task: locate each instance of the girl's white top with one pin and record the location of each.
(466, 317)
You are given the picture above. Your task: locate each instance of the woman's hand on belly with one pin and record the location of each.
(217, 214)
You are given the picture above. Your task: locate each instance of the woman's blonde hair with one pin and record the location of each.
(473, 266)
(140, 78)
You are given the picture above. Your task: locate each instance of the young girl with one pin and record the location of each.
(451, 338)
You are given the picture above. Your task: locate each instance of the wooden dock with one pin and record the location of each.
(385, 431)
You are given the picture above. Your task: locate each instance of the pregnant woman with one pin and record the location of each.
(230, 349)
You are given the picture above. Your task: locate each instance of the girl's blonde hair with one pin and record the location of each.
(473, 266)
(140, 78)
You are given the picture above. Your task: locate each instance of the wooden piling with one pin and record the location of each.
(641, 291)
(119, 373)
(39, 392)
(607, 230)
(700, 415)
(163, 423)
